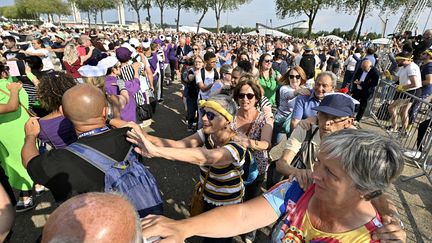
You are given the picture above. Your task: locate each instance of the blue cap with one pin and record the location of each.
(337, 104)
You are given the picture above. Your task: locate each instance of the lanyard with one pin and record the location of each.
(94, 132)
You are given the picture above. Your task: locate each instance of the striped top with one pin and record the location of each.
(224, 185)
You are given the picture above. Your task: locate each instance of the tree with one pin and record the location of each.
(224, 5)
(137, 5)
(200, 6)
(161, 4)
(103, 5)
(88, 6)
(147, 6)
(293, 8)
(362, 7)
(179, 5)
(36, 8)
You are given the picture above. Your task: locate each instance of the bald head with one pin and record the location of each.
(93, 217)
(366, 65)
(84, 104)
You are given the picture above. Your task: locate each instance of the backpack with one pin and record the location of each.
(308, 64)
(300, 160)
(216, 74)
(128, 177)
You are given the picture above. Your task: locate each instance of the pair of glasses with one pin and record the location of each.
(268, 61)
(294, 76)
(248, 95)
(210, 115)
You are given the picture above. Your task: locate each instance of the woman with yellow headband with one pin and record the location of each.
(223, 162)
(409, 78)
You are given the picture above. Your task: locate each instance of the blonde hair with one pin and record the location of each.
(70, 54)
(98, 82)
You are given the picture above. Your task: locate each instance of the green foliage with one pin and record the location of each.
(35, 8)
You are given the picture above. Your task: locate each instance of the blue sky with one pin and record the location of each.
(262, 11)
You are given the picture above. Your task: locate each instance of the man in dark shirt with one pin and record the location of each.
(63, 172)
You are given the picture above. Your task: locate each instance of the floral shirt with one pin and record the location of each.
(261, 157)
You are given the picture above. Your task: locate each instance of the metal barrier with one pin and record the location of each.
(416, 143)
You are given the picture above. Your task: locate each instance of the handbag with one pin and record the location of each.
(29, 112)
(302, 160)
(197, 201)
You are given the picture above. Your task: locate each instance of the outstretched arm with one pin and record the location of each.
(220, 222)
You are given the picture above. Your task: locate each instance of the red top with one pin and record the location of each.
(72, 69)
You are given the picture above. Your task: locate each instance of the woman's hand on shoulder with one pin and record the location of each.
(143, 145)
(391, 231)
(167, 230)
(304, 177)
(14, 87)
(303, 91)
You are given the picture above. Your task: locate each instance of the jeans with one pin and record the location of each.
(192, 108)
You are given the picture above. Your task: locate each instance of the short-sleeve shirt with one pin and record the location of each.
(290, 203)
(224, 185)
(303, 106)
(208, 79)
(270, 86)
(405, 73)
(287, 100)
(425, 70)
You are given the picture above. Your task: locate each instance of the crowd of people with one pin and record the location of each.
(70, 98)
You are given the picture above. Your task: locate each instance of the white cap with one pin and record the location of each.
(134, 41)
(108, 62)
(146, 44)
(92, 71)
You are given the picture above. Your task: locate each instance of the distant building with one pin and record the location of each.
(301, 28)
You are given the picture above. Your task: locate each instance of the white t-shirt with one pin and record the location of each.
(209, 79)
(287, 100)
(46, 59)
(350, 62)
(405, 73)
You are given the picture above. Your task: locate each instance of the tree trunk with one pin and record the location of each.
(161, 13)
(138, 20)
(149, 17)
(88, 16)
(357, 20)
(201, 18)
(102, 20)
(361, 21)
(217, 22)
(95, 18)
(178, 17)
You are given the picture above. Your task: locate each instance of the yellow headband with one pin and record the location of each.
(429, 52)
(404, 58)
(217, 107)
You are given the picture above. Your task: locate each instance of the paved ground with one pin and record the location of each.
(176, 181)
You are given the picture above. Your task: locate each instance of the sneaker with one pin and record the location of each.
(40, 190)
(24, 206)
(412, 154)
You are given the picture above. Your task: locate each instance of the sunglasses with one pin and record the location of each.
(248, 95)
(210, 115)
(268, 61)
(294, 76)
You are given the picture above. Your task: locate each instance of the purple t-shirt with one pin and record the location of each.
(132, 86)
(58, 132)
(426, 69)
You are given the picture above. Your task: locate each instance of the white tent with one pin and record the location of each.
(264, 31)
(381, 41)
(190, 29)
(331, 37)
(48, 25)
